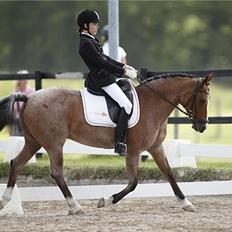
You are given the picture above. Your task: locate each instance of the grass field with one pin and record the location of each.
(112, 168)
(117, 161)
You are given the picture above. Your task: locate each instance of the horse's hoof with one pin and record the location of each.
(186, 205)
(101, 203)
(189, 208)
(105, 202)
(76, 212)
(11, 210)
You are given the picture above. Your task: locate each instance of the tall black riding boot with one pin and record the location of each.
(121, 133)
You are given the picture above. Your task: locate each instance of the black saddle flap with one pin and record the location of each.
(113, 107)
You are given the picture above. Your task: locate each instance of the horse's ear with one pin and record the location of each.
(207, 79)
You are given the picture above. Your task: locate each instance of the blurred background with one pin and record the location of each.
(158, 35)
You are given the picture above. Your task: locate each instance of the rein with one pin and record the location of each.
(188, 113)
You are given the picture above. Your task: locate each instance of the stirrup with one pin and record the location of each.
(120, 148)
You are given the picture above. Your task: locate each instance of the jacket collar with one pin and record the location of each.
(88, 35)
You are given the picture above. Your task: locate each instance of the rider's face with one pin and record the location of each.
(93, 27)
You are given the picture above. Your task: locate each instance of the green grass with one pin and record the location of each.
(78, 167)
(219, 163)
(118, 161)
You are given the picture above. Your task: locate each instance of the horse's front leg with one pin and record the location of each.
(132, 162)
(161, 160)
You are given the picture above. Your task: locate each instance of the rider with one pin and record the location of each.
(103, 73)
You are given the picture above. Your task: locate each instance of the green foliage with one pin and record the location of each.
(36, 171)
(113, 168)
(4, 169)
(167, 35)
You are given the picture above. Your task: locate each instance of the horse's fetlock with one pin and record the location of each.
(133, 185)
(114, 199)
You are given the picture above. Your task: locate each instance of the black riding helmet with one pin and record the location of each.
(87, 17)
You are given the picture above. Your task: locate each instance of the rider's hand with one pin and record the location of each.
(128, 67)
(132, 74)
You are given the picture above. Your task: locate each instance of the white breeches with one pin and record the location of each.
(117, 94)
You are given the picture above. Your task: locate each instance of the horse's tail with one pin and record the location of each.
(6, 108)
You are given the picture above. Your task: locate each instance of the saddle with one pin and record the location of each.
(101, 110)
(113, 107)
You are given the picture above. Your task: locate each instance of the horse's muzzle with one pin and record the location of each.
(199, 126)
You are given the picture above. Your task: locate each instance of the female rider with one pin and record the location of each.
(103, 73)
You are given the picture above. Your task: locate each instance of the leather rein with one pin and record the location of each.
(191, 101)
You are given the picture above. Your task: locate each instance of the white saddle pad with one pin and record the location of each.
(96, 111)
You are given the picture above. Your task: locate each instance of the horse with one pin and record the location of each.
(50, 116)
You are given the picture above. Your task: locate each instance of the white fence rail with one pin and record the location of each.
(143, 190)
(179, 152)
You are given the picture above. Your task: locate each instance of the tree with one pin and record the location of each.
(159, 35)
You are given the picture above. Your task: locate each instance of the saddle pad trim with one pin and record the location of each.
(110, 123)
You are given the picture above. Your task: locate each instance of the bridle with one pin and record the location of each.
(193, 104)
(192, 101)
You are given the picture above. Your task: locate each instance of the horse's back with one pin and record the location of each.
(52, 97)
(51, 93)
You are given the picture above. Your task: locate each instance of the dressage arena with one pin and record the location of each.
(150, 214)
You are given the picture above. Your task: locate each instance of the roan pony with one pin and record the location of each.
(50, 116)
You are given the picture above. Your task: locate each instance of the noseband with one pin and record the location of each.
(192, 101)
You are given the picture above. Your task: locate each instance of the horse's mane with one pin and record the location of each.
(168, 75)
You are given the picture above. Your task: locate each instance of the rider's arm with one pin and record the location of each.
(89, 51)
(114, 61)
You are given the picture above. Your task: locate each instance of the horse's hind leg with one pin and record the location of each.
(16, 164)
(56, 159)
(161, 160)
(132, 161)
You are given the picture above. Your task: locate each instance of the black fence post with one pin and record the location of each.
(38, 80)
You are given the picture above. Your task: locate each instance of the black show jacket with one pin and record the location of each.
(103, 69)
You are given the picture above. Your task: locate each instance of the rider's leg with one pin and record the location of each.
(121, 133)
(117, 94)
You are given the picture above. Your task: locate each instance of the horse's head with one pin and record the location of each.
(197, 105)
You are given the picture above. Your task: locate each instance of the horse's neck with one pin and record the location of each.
(172, 88)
